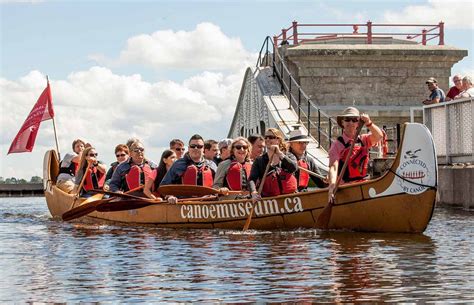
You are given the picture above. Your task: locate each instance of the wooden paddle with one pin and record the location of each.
(78, 192)
(260, 188)
(90, 204)
(191, 190)
(312, 173)
(325, 216)
(133, 204)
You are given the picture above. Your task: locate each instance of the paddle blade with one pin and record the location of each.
(325, 216)
(186, 190)
(88, 206)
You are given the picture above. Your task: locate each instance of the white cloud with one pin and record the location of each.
(455, 14)
(106, 109)
(205, 47)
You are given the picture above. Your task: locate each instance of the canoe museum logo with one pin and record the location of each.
(412, 172)
(241, 209)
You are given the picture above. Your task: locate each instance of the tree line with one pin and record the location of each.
(13, 180)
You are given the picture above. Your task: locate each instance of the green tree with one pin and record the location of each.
(2, 180)
(36, 179)
(11, 180)
(21, 181)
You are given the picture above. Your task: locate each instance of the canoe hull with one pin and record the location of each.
(392, 203)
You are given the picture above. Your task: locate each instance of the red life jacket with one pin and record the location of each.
(303, 177)
(135, 177)
(94, 180)
(194, 175)
(279, 182)
(357, 167)
(237, 175)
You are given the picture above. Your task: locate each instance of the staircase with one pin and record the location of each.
(267, 100)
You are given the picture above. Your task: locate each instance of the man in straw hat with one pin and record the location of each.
(357, 164)
(437, 95)
(298, 143)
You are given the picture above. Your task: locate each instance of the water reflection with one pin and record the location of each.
(44, 260)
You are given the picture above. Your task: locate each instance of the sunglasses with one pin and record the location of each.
(179, 149)
(353, 120)
(120, 155)
(196, 146)
(239, 147)
(140, 149)
(457, 80)
(93, 155)
(270, 137)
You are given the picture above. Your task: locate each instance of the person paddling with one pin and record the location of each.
(280, 178)
(357, 164)
(298, 143)
(94, 171)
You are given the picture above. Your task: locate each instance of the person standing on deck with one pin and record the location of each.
(456, 89)
(437, 95)
(468, 89)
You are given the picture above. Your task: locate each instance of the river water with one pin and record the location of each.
(43, 260)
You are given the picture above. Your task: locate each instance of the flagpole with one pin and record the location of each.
(54, 128)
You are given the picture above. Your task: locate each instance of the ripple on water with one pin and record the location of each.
(45, 260)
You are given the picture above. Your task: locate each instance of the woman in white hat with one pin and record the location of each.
(357, 165)
(298, 143)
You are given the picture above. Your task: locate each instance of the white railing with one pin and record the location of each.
(451, 125)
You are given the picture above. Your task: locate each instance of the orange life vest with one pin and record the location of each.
(303, 177)
(135, 177)
(94, 180)
(194, 175)
(237, 175)
(279, 182)
(357, 164)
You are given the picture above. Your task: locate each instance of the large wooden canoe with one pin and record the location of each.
(402, 200)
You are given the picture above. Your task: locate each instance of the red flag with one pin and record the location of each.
(42, 110)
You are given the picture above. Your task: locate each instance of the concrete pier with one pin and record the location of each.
(456, 186)
(384, 80)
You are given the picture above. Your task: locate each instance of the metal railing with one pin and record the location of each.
(451, 125)
(296, 33)
(309, 113)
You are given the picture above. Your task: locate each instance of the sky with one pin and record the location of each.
(159, 70)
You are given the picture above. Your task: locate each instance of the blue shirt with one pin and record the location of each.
(438, 93)
(173, 176)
